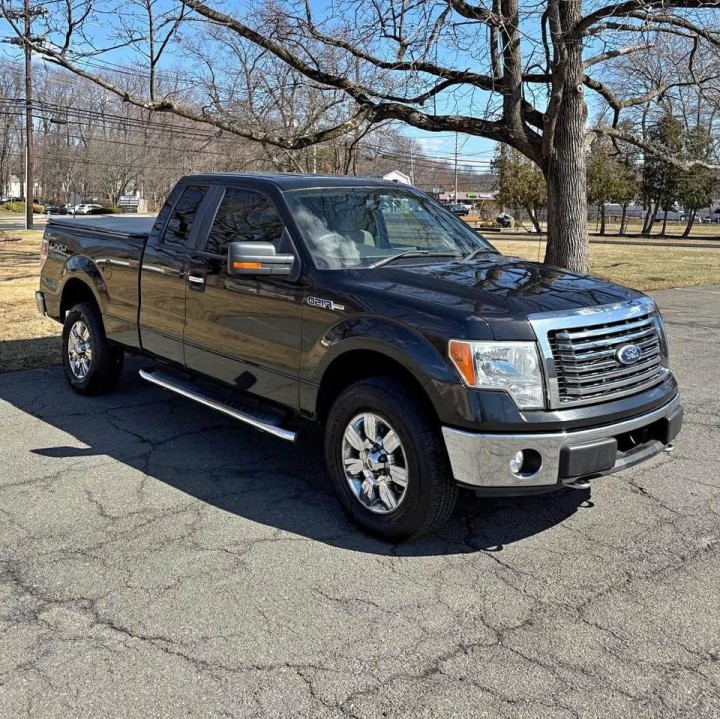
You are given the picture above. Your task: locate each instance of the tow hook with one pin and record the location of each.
(579, 484)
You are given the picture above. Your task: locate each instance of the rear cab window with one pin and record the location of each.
(180, 222)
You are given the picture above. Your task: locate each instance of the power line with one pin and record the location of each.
(123, 123)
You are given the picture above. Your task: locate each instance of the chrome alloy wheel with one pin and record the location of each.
(375, 464)
(79, 350)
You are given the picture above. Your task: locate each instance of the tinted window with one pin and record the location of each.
(183, 215)
(165, 210)
(244, 216)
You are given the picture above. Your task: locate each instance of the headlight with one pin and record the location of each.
(510, 366)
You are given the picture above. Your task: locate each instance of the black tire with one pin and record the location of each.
(430, 493)
(105, 365)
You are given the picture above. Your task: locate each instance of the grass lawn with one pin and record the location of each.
(643, 268)
(673, 233)
(29, 340)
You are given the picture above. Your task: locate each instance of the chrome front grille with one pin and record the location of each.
(581, 351)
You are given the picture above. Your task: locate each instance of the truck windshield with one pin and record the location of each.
(362, 227)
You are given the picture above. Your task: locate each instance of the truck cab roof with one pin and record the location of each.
(291, 180)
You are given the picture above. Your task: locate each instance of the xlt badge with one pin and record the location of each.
(325, 304)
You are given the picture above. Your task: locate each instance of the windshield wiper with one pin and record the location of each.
(410, 253)
(478, 252)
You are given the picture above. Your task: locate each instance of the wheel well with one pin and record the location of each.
(74, 292)
(358, 365)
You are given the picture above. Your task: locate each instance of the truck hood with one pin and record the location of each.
(501, 290)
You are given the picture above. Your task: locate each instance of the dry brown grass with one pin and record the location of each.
(643, 268)
(26, 338)
(673, 232)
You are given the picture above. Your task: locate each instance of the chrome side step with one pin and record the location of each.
(268, 423)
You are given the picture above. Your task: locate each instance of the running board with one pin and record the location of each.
(267, 423)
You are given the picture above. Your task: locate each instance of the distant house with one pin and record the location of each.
(397, 176)
(15, 187)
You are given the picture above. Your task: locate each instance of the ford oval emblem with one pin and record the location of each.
(628, 354)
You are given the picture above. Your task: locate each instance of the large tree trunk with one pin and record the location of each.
(664, 227)
(567, 236)
(564, 154)
(691, 222)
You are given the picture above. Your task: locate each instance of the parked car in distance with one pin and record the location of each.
(459, 210)
(713, 217)
(673, 213)
(87, 209)
(55, 210)
(504, 220)
(361, 307)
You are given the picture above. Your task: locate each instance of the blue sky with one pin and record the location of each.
(471, 150)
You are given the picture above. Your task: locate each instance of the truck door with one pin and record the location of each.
(244, 331)
(163, 275)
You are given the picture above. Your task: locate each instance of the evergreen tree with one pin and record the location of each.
(520, 183)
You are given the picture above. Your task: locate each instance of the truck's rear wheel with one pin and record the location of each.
(386, 460)
(92, 365)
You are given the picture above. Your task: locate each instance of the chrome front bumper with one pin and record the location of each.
(483, 460)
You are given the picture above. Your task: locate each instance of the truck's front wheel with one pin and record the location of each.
(387, 461)
(92, 365)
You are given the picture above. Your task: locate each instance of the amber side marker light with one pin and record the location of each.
(462, 357)
(247, 265)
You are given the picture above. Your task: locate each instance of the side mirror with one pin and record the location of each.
(257, 258)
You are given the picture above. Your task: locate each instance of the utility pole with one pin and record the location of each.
(412, 165)
(27, 14)
(456, 168)
(29, 147)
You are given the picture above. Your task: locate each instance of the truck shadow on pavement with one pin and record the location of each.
(206, 456)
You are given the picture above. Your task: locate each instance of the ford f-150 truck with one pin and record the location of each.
(431, 360)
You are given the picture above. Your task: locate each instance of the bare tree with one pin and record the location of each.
(10, 128)
(509, 71)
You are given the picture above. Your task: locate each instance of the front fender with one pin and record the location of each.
(422, 358)
(378, 334)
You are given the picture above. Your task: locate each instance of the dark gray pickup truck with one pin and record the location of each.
(431, 360)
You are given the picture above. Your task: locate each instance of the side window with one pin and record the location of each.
(244, 216)
(183, 215)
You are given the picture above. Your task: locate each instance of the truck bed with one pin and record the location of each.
(125, 226)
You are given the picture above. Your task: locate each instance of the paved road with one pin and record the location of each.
(160, 561)
(17, 222)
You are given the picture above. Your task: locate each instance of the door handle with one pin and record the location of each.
(196, 281)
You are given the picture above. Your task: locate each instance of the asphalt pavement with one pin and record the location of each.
(17, 222)
(159, 560)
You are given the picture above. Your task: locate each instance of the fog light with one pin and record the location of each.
(516, 462)
(526, 463)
